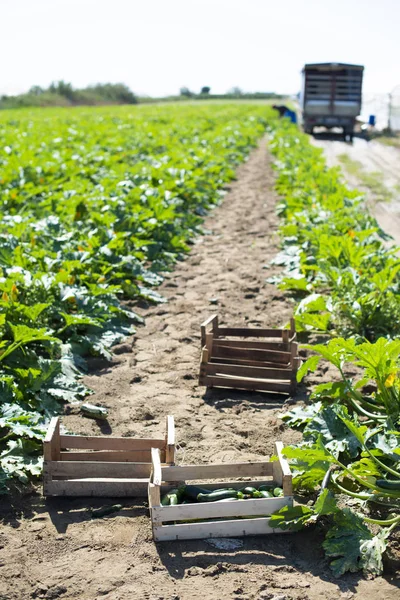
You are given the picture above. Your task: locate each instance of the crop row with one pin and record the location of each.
(345, 281)
(96, 203)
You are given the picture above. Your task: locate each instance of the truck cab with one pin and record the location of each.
(331, 96)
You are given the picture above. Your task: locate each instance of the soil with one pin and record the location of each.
(373, 157)
(52, 549)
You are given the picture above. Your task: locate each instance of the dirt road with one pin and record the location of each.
(371, 167)
(54, 550)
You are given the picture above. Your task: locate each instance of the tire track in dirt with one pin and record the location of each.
(53, 550)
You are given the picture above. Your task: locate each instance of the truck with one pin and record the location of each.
(331, 96)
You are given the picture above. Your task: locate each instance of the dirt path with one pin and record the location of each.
(371, 167)
(53, 550)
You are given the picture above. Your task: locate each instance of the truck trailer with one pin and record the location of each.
(331, 96)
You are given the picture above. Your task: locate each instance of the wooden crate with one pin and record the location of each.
(217, 519)
(230, 358)
(76, 465)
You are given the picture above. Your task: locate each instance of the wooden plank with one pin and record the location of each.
(156, 467)
(250, 332)
(250, 363)
(98, 487)
(293, 355)
(84, 469)
(234, 528)
(284, 473)
(247, 371)
(139, 456)
(212, 320)
(249, 354)
(154, 495)
(255, 345)
(247, 384)
(109, 443)
(211, 510)
(51, 443)
(209, 343)
(236, 485)
(292, 328)
(213, 471)
(170, 441)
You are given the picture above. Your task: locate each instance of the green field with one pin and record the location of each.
(96, 203)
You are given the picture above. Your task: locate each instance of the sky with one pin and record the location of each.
(158, 46)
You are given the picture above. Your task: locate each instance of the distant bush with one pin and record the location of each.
(61, 93)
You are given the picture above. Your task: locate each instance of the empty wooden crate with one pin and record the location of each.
(217, 519)
(248, 358)
(76, 465)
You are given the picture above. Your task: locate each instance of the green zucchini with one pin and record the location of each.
(249, 490)
(265, 488)
(389, 484)
(220, 495)
(264, 494)
(278, 492)
(192, 491)
(94, 412)
(175, 494)
(97, 513)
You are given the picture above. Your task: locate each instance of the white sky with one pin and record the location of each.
(158, 46)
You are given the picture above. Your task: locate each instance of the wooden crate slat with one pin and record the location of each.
(109, 443)
(247, 384)
(51, 443)
(249, 354)
(250, 363)
(86, 469)
(140, 456)
(213, 321)
(211, 510)
(97, 487)
(250, 332)
(231, 528)
(169, 441)
(247, 371)
(181, 473)
(278, 347)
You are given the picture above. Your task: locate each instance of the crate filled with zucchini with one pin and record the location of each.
(108, 466)
(188, 501)
(248, 358)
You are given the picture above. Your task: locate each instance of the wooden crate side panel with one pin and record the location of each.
(193, 531)
(261, 385)
(82, 469)
(109, 443)
(236, 470)
(247, 371)
(100, 487)
(139, 456)
(211, 510)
